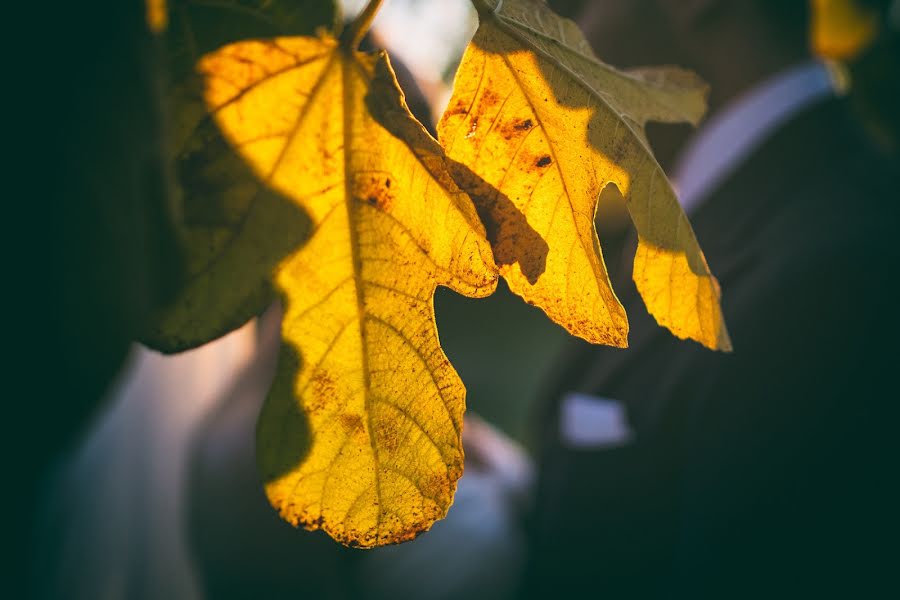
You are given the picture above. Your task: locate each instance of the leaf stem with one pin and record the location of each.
(356, 31)
(338, 22)
(483, 8)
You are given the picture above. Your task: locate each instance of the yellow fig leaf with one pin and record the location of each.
(157, 15)
(842, 29)
(537, 127)
(360, 434)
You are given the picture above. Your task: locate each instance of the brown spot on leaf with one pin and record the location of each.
(489, 98)
(322, 383)
(350, 422)
(436, 486)
(516, 128)
(322, 386)
(387, 435)
(524, 125)
(459, 108)
(543, 161)
(375, 192)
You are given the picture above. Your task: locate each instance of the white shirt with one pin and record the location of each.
(733, 133)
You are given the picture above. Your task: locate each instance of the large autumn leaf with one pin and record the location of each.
(360, 434)
(538, 127)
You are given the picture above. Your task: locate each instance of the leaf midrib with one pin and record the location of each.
(348, 62)
(562, 176)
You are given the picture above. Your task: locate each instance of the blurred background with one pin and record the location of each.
(115, 519)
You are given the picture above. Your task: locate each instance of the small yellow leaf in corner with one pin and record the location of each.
(842, 29)
(157, 15)
(360, 434)
(537, 127)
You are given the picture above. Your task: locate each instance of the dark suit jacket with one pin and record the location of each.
(770, 470)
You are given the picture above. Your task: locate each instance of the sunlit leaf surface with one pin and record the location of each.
(538, 127)
(360, 435)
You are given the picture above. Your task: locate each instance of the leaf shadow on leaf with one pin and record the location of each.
(275, 462)
(227, 281)
(237, 227)
(496, 211)
(209, 175)
(227, 209)
(597, 138)
(521, 244)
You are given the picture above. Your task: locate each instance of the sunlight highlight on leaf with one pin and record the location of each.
(360, 435)
(539, 126)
